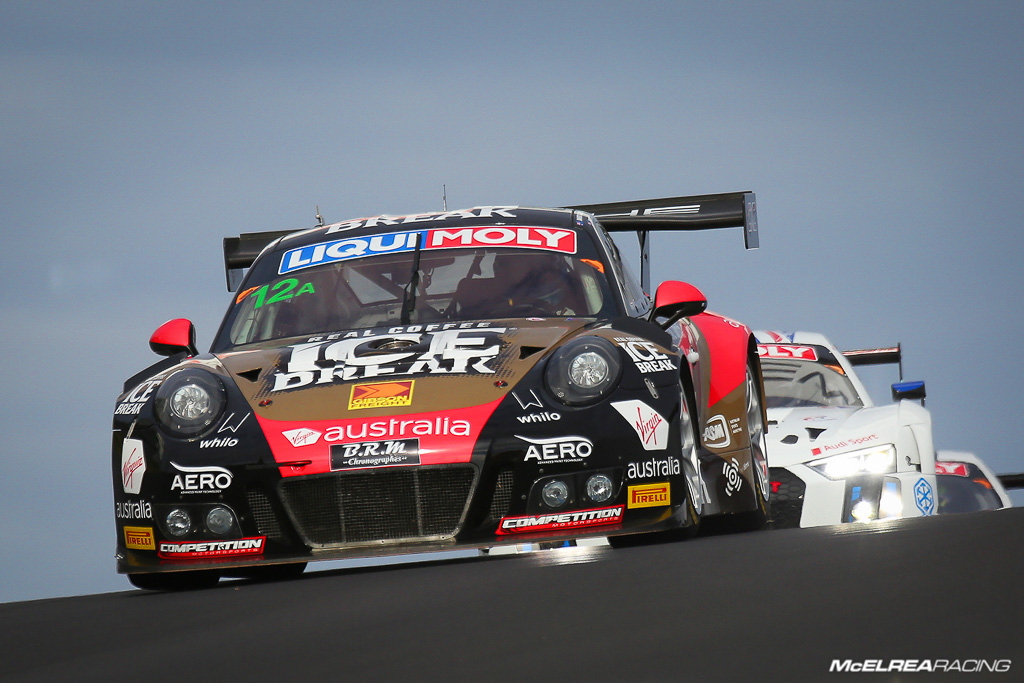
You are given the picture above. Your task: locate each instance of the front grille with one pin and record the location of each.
(387, 504)
(502, 496)
(263, 514)
(787, 498)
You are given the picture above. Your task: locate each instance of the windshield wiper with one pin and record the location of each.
(409, 291)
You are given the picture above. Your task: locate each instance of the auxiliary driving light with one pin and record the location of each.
(599, 488)
(178, 522)
(219, 520)
(555, 493)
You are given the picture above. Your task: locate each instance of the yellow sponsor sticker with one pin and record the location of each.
(649, 495)
(381, 395)
(139, 538)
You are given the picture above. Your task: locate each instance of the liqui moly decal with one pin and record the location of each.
(548, 239)
(172, 550)
(133, 465)
(651, 427)
(560, 520)
(792, 351)
(444, 352)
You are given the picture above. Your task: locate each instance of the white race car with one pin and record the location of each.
(835, 456)
(966, 484)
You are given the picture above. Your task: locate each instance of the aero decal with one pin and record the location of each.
(560, 520)
(924, 496)
(651, 427)
(548, 239)
(133, 465)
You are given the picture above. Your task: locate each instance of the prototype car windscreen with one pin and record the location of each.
(415, 287)
(792, 383)
(967, 491)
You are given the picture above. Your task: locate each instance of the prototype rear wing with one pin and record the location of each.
(883, 356)
(698, 212)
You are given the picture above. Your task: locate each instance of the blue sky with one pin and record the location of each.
(884, 142)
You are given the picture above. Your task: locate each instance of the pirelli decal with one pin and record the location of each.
(139, 538)
(649, 496)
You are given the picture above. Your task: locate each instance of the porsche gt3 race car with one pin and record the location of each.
(966, 484)
(464, 379)
(835, 456)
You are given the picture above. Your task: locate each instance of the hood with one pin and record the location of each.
(389, 371)
(798, 435)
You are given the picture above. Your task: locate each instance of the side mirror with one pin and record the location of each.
(675, 300)
(174, 336)
(913, 391)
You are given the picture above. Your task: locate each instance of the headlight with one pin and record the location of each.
(189, 402)
(583, 371)
(555, 493)
(876, 460)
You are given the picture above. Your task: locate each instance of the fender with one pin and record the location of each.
(731, 342)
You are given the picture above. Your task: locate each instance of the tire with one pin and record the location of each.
(688, 447)
(175, 581)
(758, 517)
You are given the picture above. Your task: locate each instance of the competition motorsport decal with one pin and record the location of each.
(548, 239)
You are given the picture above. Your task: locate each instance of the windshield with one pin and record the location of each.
(814, 380)
(414, 287)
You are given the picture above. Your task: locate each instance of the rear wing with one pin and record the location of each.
(883, 356)
(241, 251)
(698, 212)
(1012, 481)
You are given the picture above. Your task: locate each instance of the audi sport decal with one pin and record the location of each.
(133, 465)
(548, 239)
(179, 550)
(139, 538)
(840, 445)
(558, 449)
(791, 351)
(381, 395)
(560, 520)
(648, 496)
(445, 352)
(209, 479)
(651, 427)
(375, 454)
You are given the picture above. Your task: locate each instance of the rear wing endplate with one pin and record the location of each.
(698, 212)
(241, 251)
(883, 356)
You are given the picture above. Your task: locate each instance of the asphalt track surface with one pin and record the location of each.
(775, 605)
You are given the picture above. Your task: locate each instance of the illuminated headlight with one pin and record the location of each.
(555, 493)
(189, 402)
(599, 488)
(583, 371)
(178, 522)
(219, 520)
(877, 460)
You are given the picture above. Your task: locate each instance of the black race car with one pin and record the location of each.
(463, 379)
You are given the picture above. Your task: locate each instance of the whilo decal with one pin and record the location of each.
(648, 496)
(558, 449)
(716, 433)
(302, 436)
(172, 550)
(209, 479)
(561, 520)
(375, 454)
(651, 427)
(229, 427)
(528, 402)
(733, 480)
(539, 417)
(133, 465)
(446, 352)
(139, 538)
(654, 467)
(548, 239)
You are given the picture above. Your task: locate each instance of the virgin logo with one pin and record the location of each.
(133, 465)
(648, 424)
(302, 436)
